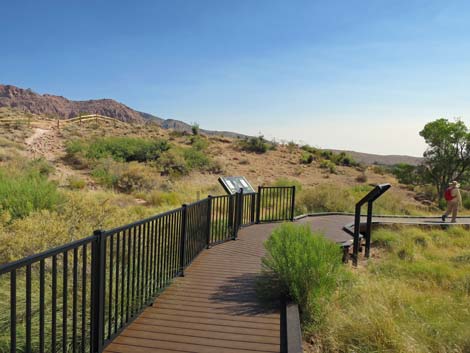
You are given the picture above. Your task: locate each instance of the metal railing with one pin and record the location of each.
(80, 296)
(373, 195)
(275, 203)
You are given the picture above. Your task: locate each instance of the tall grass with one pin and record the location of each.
(413, 298)
(305, 266)
(335, 198)
(23, 193)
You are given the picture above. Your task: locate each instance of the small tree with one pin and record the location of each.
(195, 129)
(448, 155)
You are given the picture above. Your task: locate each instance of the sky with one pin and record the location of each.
(355, 75)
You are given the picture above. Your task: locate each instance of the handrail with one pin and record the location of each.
(373, 195)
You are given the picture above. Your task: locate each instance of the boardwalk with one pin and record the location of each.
(214, 309)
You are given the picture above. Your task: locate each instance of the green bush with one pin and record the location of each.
(125, 177)
(306, 158)
(306, 267)
(328, 165)
(256, 144)
(23, 193)
(196, 159)
(405, 173)
(199, 143)
(310, 149)
(173, 163)
(123, 149)
(195, 129)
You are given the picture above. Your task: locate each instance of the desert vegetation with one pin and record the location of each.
(412, 296)
(446, 158)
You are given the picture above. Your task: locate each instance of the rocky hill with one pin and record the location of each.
(60, 107)
(63, 108)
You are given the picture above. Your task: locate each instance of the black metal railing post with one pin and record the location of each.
(357, 226)
(368, 228)
(184, 223)
(98, 259)
(231, 209)
(209, 220)
(292, 207)
(238, 213)
(253, 208)
(258, 205)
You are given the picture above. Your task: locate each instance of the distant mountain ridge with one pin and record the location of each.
(63, 108)
(369, 158)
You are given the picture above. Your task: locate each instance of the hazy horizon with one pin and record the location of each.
(360, 76)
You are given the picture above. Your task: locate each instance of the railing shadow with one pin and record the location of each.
(243, 292)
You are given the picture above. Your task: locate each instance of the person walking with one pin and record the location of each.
(454, 201)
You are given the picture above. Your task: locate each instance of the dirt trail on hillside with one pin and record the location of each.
(47, 143)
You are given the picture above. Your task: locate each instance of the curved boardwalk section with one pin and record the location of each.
(213, 308)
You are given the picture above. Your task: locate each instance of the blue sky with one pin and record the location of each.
(361, 75)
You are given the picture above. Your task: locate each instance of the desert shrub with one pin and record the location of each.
(24, 192)
(343, 159)
(362, 178)
(42, 166)
(256, 144)
(310, 149)
(124, 149)
(125, 177)
(328, 165)
(195, 128)
(406, 173)
(304, 266)
(199, 143)
(173, 163)
(306, 158)
(196, 159)
(292, 146)
(76, 183)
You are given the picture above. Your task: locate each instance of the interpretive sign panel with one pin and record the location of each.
(232, 185)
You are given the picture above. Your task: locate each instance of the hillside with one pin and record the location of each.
(48, 105)
(387, 160)
(95, 174)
